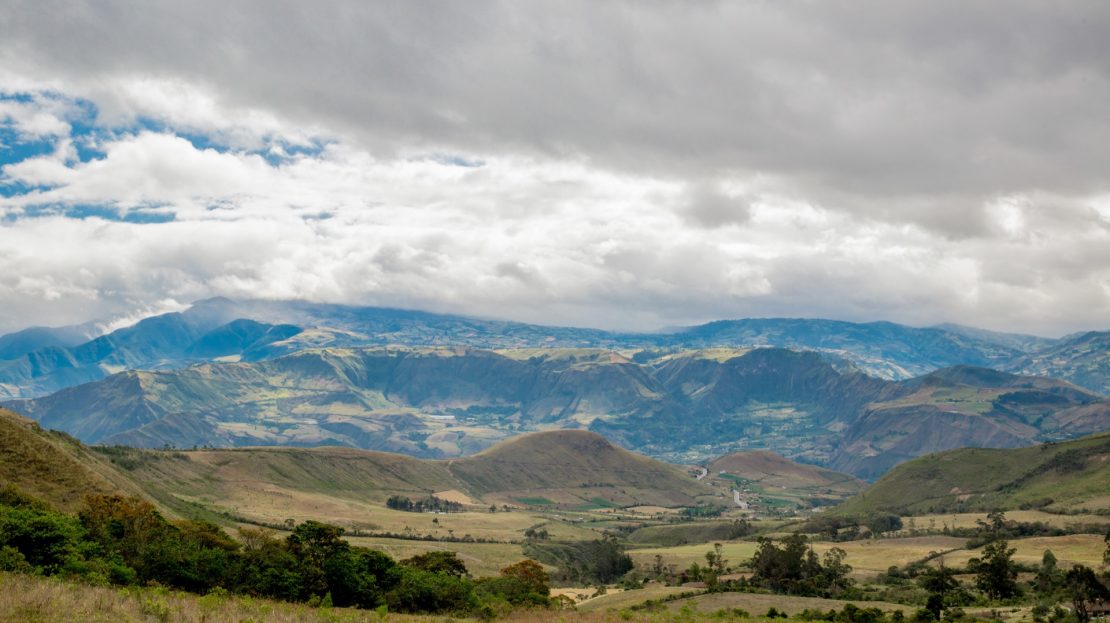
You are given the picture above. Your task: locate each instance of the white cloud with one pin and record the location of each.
(637, 165)
(540, 240)
(39, 118)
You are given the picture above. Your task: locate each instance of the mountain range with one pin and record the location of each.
(40, 361)
(681, 407)
(857, 397)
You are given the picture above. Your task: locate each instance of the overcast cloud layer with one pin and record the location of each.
(623, 165)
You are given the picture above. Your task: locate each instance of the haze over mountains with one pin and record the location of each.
(855, 397)
(41, 360)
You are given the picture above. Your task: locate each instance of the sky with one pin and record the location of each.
(623, 165)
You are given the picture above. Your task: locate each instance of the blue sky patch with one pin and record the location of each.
(101, 211)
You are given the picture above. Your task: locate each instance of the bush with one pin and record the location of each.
(421, 592)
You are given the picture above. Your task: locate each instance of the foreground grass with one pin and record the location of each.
(48, 600)
(758, 603)
(32, 599)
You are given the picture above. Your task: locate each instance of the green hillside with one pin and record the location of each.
(53, 466)
(1066, 476)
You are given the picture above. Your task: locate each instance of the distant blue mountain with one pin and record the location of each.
(36, 362)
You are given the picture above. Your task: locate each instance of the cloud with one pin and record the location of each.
(629, 165)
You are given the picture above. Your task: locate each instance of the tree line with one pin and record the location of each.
(429, 504)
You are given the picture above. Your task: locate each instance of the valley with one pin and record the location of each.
(557, 491)
(683, 407)
(657, 466)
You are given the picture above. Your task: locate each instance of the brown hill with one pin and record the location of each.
(572, 467)
(561, 468)
(770, 469)
(53, 466)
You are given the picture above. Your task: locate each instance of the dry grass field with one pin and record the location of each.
(867, 558)
(759, 604)
(871, 557)
(481, 559)
(271, 505)
(1069, 550)
(623, 599)
(683, 555)
(29, 599)
(969, 520)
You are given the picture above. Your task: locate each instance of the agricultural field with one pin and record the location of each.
(682, 556)
(867, 558)
(1072, 549)
(617, 600)
(871, 557)
(273, 507)
(481, 559)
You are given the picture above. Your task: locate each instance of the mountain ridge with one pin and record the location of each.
(218, 328)
(681, 407)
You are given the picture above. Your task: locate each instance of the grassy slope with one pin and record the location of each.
(53, 466)
(983, 479)
(268, 485)
(770, 469)
(574, 467)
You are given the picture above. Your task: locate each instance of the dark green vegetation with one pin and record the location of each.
(123, 540)
(430, 504)
(682, 407)
(693, 532)
(792, 567)
(600, 561)
(1065, 476)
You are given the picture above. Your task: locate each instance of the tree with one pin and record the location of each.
(313, 544)
(939, 582)
(1048, 576)
(133, 529)
(996, 572)
(524, 583)
(879, 523)
(1106, 552)
(792, 568)
(531, 574)
(439, 562)
(1084, 588)
(835, 570)
(715, 559)
(418, 591)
